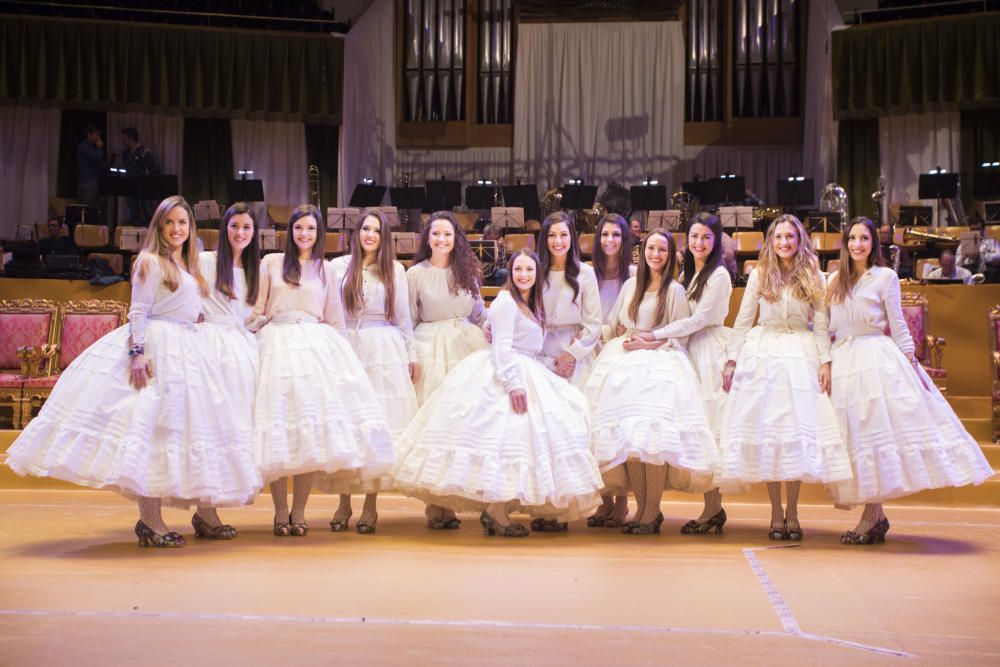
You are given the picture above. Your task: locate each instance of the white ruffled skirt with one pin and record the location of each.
(642, 410)
(777, 424)
(440, 346)
(182, 438)
(237, 357)
(383, 355)
(316, 410)
(557, 341)
(902, 435)
(707, 351)
(466, 448)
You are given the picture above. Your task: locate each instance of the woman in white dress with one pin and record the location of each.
(779, 424)
(612, 262)
(377, 310)
(316, 410)
(902, 436)
(447, 311)
(145, 411)
(231, 274)
(640, 401)
(503, 433)
(708, 287)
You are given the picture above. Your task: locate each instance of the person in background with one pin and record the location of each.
(948, 269)
(90, 164)
(56, 243)
(138, 161)
(983, 254)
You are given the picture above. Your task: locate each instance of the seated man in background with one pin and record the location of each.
(56, 243)
(949, 270)
(979, 252)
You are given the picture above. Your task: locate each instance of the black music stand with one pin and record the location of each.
(648, 197)
(406, 200)
(246, 190)
(160, 186)
(479, 197)
(725, 190)
(697, 189)
(115, 185)
(366, 196)
(986, 185)
(442, 195)
(523, 196)
(796, 194)
(822, 221)
(915, 216)
(938, 186)
(578, 197)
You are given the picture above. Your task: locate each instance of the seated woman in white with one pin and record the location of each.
(502, 432)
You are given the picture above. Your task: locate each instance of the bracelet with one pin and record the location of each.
(136, 350)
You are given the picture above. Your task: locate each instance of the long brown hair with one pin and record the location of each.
(847, 277)
(695, 284)
(804, 278)
(600, 259)
(385, 267)
(535, 304)
(155, 248)
(291, 269)
(644, 276)
(466, 273)
(250, 257)
(572, 256)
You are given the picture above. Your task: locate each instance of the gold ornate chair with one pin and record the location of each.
(995, 357)
(79, 324)
(27, 342)
(929, 350)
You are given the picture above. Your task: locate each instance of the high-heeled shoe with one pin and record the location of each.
(491, 527)
(597, 521)
(340, 525)
(793, 534)
(454, 523)
(779, 534)
(549, 526)
(647, 528)
(147, 538)
(366, 527)
(717, 521)
(874, 535)
(297, 529)
(282, 528)
(204, 530)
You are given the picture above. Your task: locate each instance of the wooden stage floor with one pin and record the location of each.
(74, 589)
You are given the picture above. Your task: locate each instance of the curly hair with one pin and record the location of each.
(803, 278)
(466, 273)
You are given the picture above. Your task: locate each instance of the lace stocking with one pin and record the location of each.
(210, 516)
(656, 479)
(150, 514)
(279, 496)
(777, 512)
(499, 513)
(368, 512)
(344, 511)
(872, 514)
(792, 506)
(637, 480)
(302, 486)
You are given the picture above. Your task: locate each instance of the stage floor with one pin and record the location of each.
(74, 589)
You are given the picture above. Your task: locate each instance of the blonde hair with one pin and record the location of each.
(804, 278)
(156, 249)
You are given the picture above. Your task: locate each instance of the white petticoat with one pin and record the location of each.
(237, 357)
(642, 410)
(316, 410)
(466, 448)
(707, 351)
(440, 346)
(383, 354)
(902, 436)
(181, 438)
(777, 425)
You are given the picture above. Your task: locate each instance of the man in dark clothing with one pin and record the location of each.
(56, 243)
(90, 166)
(138, 161)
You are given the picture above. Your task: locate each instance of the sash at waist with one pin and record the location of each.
(849, 333)
(294, 317)
(172, 320)
(785, 327)
(224, 320)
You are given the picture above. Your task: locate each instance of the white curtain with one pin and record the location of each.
(161, 133)
(368, 131)
(819, 149)
(29, 149)
(913, 144)
(466, 165)
(276, 153)
(599, 101)
(760, 166)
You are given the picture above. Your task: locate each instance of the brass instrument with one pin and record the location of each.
(761, 213)
(687, 204)
(910, 235)
(312, 179)
(833, 199)
(551, 202)
(588, 218)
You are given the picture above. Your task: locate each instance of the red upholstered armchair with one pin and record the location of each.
(27, 332)
(929, 350)
(995, 356)
(79, 325)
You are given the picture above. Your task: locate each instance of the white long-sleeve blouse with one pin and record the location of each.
(874, 304)
(585, 312)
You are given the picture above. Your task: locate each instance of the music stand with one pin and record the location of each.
(986, 185)
(736, 217)
(249, 190)
(915, 216)
(342, 218)
(367, 196)
(667, 219)
(160, 186)
(822, 221)
(938, 186)
(115, 185)
(479, 197)
(442, 195)
(648, 198)
(504, 217)
(486, 252)
(697, 189)
(725, 190)
(796, 194)
(991, 210)
(406, 200)
(523, 196)
(390, 212)
(578, 197)
(207, 212)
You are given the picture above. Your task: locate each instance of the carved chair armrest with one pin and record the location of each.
(935, 351)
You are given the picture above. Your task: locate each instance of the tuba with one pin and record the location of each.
(312, 178)
(687, 204)
(833, 199)
(551, 202)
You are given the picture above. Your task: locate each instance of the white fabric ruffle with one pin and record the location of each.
(440, 346)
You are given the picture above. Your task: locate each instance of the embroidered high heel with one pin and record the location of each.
(694, 528)
(491, 527)
(147, 538)
(297, 529)
(647, 528)
(779, 534)
(793, 534)
(366, 527)
(204, 530)
(874, 535)
(340, 525)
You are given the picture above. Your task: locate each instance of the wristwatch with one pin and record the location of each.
(136, 350)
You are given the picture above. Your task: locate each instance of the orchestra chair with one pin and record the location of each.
(994, 320)
(279, 214)
(928, 349)
(27, 332)
(586, 242)
(91, 237)
(210, 238)
(515, 242)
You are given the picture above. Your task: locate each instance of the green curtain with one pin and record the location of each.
(206, 72)
(71, 124)
(207, 158)
(858, 163)
(322, 143)
(980, 142)
(916, 66)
